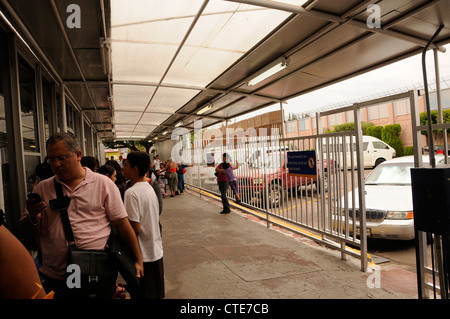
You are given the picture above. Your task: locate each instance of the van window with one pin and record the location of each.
(365, 145)
(380, 146)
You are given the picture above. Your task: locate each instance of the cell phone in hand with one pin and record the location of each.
(34, 197)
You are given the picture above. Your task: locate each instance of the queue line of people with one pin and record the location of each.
(97, 203)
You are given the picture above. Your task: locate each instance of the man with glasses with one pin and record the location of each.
(95, 203)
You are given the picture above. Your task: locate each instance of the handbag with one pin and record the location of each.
(97, 268)
(124, 260)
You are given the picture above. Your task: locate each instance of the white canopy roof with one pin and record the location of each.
(164, 53)
(138, 68)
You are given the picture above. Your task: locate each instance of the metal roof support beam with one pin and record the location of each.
(427, 98)
(333, 18)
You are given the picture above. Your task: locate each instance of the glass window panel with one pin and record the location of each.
(291, 126)
(47, 102)
(28, 107)
(5, 189)
(350, 116)
(58, 112)
(31, 161)
(70, 118)
(379, 111)
(4, 173)
(402, 107)
(303, 124)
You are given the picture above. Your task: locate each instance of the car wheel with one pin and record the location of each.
(325, 184)
(274, 195)
(379, 161)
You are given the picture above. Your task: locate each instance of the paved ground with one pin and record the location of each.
(212, 256)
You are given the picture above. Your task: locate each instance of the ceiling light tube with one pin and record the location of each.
(179, 124)
(164, 133)
(269, 71)
(203, 110)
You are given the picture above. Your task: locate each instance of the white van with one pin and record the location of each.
(375, 151)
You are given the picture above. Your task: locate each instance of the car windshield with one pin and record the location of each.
(391, 174)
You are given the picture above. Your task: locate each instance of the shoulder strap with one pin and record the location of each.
(64, 216)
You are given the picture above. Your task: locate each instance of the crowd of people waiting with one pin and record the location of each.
(132, 203)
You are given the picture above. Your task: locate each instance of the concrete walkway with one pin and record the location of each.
(212, 256)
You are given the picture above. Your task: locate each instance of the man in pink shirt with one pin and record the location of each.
(95, 203)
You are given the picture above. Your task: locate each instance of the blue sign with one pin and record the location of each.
(302, 164)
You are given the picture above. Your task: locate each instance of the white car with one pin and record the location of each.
(389, 205)
(375, 151)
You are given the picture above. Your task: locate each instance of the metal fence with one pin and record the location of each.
(328, 208)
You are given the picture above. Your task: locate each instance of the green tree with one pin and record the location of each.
(139, 145)
(374, 131)
(390, 134)
(434, 120)
(351, 126)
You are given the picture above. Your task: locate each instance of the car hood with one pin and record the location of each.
(386, 197)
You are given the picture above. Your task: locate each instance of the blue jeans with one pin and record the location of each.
(181, 182)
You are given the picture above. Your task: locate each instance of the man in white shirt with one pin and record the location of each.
(142, 207)
(156, 165)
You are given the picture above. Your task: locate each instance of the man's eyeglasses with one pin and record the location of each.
(61, 158)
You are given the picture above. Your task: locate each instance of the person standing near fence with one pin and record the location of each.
(222, 180)
(181, 171)
(232, 179)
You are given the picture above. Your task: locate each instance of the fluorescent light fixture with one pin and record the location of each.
(179, 124)
(270, 70)
(203, 110)
(164, 133)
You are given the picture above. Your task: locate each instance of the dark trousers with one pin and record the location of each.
(152, 284)
(223, 188)
(181, 183)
